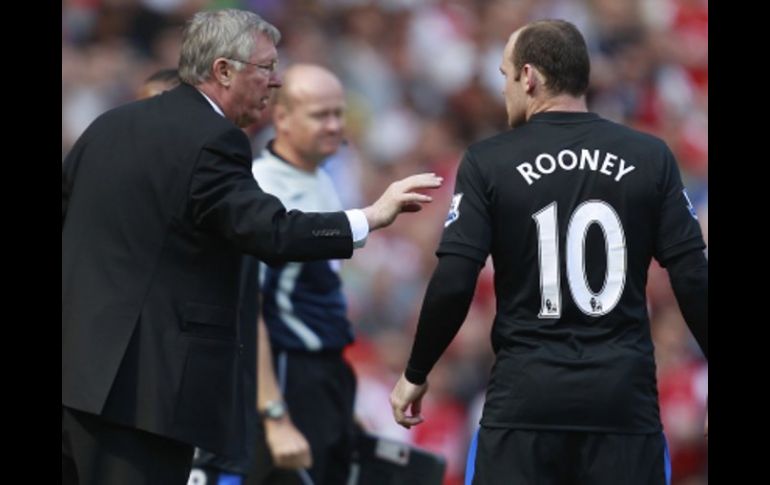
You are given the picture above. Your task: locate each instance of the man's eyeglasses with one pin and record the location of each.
(268, 69)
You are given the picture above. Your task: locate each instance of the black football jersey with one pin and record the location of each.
(571, 207)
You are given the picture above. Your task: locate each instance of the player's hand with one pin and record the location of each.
(407, 396)
(400, 197)
(288, 447)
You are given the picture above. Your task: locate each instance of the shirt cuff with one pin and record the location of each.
(415, 377)
(358, 226)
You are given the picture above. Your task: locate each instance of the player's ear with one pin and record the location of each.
(532, 78)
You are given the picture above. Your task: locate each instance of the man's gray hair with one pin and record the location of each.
(220, 33)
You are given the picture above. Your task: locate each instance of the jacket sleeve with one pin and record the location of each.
(227, 201)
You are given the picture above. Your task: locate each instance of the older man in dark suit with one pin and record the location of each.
(158, 207)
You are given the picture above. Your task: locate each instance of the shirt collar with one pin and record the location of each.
(213, 104)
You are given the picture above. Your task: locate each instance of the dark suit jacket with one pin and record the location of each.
(158, 205)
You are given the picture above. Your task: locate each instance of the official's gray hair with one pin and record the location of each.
(220, 33)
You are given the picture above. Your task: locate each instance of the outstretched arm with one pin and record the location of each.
(226, 200)
(446, 303)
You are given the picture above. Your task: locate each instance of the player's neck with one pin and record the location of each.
(562, 102)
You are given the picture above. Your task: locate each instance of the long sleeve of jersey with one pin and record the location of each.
(444, 308)
(689, 277)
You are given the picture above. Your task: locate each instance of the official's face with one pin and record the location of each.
(251, 86)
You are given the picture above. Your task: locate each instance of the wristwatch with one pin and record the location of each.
(273, 410)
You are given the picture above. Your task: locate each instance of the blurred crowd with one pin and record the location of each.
(422, 82)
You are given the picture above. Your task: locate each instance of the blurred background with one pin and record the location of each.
(422, 83)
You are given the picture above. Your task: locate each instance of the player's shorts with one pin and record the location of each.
(512, 456)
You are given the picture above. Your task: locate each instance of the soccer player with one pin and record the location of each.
(572, 208)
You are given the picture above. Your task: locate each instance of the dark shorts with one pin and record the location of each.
(513, 456)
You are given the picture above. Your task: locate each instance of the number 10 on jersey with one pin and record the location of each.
(586, 214)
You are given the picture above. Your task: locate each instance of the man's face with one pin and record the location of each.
(314, 122)
(513, 92)
(250, 90)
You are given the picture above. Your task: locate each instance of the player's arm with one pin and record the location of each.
(287, 444)
(689, 277)
(679, 248)
(444, 308)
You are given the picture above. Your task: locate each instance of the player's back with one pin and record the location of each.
(571, 208)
